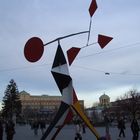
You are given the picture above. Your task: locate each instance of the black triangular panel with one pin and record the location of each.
(61, 80)
(59, 58)
(62, 109)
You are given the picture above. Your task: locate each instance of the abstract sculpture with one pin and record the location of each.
(33, 51)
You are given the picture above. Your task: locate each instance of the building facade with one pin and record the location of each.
(36, 102)
(40, 104)
(96, 113)
(104, 100)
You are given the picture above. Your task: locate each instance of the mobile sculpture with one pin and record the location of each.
(33, 51)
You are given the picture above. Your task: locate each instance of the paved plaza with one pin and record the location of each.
(25, 133)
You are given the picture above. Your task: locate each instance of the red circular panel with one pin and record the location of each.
(33, 49)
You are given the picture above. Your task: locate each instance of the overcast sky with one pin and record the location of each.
(50, 19)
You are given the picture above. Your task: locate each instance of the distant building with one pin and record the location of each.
(96, 113)
(114, 110)
(104, 100)
(37, 102)
(32, 104)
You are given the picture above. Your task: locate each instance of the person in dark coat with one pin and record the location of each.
(35, 127)
(107, 122)
(78, 134)
(1, 130)
(42, 126)
(121, 127)
(10, 130)
(135, 129)
(83, 127)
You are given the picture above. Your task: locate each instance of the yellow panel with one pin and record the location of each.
(79, 111)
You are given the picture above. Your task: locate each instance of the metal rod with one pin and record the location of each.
(89, 45)
(89, 30)
(65, 37)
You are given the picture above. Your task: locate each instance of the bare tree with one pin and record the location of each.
(95, 104)
(130, 102)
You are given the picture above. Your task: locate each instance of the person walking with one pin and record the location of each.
(42, 126)
(10, 130)
(1, 130)
(107, 123)
(78, 134)
(83, 128)
(35, 127)
(135, 129)
(121, 127)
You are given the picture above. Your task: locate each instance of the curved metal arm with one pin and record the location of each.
(66, 37)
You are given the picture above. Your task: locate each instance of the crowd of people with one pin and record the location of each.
(121, 126)
(9, 128)
(80, 128)
(134, 128)
(36, 125)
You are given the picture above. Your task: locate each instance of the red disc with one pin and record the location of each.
(33, 49)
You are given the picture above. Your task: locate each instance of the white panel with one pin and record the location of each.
(63, 69)
(67, 94)
(60, 122)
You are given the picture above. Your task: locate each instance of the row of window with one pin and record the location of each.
(40, 98)
(38, 107)
(37, 103)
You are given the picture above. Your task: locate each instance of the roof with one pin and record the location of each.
(104, 96)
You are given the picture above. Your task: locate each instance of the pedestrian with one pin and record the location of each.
(78, 134)
(42, 126)
(83, 128)
(10, 130)
(107, 123)
(1, 130)
(135, 129)
(121, 127)
(35, 127)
